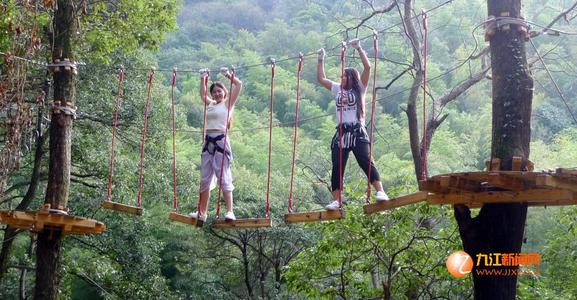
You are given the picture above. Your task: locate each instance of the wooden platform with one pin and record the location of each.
(242, 223)
(38, 221)
(395, 202)
(185, 219)
(314, 216)
(122, 208)
(476, 188)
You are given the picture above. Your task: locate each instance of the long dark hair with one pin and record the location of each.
(354, 82)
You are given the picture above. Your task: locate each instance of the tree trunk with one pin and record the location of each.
(499, 227)
(50, 240)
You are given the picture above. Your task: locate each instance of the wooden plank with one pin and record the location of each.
(495, 164)
(242, 223)
(516, 163)
(449, 183)
(395, 202)
(536, 195)
(548, 181)
(432, 185)
(534, 204)
(567, 171)
(506, 182)
(314, 216)
(122, 208)
(185, 219)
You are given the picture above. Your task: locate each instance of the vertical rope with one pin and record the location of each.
(424, 142)
(174, 199)
(203, 133)
(225, 143)
(205, 96)
(295, 134)
(343, 53)
(373, 105)
(143, 140)
(271, 110)
(114, 126)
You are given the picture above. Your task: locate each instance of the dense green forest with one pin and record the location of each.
(398, 254)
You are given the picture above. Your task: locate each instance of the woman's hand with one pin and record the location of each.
(321, 55)
(355, 43)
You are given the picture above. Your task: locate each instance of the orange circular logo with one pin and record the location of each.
(459, 264)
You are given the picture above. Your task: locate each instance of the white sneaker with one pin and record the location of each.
(194, 215)
(230, 216)
(333, 205)
(381, 196)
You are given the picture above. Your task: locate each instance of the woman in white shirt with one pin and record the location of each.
(350, 109)
(218, 105)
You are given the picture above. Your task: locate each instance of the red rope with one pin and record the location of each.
(205, 96)
(343, 53)
(143, 140)
(114, 126)
(203, 133)
(295, 134)
(376, 50)
(271, 109)
(225, 142)
(174, 199)
(424, 143)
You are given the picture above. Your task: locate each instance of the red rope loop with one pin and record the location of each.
(143, 140)
(373, 106)
(174, 198)
(271, 110)
(424, 141)
(225, 143)
(295, 134)
(114, 126)
(343, 55)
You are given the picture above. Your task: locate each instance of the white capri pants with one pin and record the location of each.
(211, 160)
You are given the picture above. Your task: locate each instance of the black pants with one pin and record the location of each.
(361, 152)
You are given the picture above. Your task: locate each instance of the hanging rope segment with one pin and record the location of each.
(373, 106)
(232, 74)
(271, 109)
(343, 55)
(114, 126)
(143, 140)
(295, 134)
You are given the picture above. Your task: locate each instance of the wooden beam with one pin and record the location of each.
(566, 171)
(122, 208)
(314, 216)
(516, 163)
(185, 219)
(432, 185)
(242, 223)
(395, 202)
(536, 195)
(548, 181)
(506, 182)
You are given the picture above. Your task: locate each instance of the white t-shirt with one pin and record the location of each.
(216, 116)
(346, 100)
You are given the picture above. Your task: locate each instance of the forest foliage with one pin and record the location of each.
(400, 253)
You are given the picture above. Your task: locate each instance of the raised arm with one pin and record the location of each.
(203, 74)
(366, 74)
(321, 70)
(236, 85)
